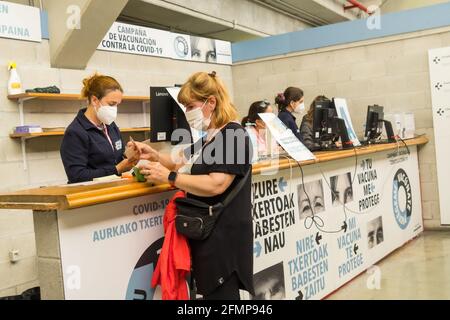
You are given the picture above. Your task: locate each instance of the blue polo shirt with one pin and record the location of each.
(86, 151)
(290, 121)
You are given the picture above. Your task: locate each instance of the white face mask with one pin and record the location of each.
(196, 119)
(107, 114)
(300, 108)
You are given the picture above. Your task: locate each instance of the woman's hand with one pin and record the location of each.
(133, 159)
(125, 165)
(143, 151)
(155, 172)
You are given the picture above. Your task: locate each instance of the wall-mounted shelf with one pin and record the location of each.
(22, 98)
(61, 133)
(68, 97)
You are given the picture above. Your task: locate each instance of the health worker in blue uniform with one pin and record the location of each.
(290, 102)
(92, 146)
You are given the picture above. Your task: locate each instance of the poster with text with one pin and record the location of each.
(20, 22)
(439, 61)
(127, 38)
(109, 251)
(313, 235)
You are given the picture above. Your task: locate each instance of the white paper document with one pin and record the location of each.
(174, 91)
(342, 112)
(286, 138)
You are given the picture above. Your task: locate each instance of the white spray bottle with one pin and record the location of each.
(14, 83)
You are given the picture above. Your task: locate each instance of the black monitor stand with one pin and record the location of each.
(327, 142)
(326, 145)
(373, 136)
(343, 134)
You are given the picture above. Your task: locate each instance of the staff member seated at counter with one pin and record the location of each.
(289, 102)
(92, 146)
(306, 128)
(253, 122)
(223, 262)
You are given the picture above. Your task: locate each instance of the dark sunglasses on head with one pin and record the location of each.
(264, 104)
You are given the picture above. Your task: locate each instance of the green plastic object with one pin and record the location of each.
(138, 175)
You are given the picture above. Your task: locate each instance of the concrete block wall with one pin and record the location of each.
(247, 14)
(135, 73)
(392, 72)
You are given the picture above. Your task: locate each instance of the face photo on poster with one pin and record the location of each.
(314, 193)
(203, 49)
(375, 232)
(269, 283)
(341, 189)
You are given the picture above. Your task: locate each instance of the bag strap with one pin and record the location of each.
(237, 188)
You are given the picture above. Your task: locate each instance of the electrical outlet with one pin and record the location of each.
(14, 255)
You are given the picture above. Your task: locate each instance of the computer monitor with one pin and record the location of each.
(322, 120)
(166, 116)
(328, 127)
(374, 125)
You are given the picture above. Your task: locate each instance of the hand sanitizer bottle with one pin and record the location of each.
(14, 83)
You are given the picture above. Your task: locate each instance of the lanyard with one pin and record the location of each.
(105, 131)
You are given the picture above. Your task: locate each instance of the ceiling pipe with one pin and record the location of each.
(357, 4)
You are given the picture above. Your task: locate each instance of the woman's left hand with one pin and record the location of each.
(155, 172)
(125, 165)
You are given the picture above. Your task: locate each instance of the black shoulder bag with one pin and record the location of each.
(196, 219)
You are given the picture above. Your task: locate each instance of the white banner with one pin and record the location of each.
(109, 251)
(439, 60)
(127, 38)
(20, 22)
(307, 245)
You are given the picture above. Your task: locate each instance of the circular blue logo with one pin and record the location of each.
(181, 47)
(139, 285)
(402, 199)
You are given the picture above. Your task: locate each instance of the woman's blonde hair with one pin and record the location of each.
(99, 86)
(200, 86)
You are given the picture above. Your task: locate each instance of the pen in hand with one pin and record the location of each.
(136, 150)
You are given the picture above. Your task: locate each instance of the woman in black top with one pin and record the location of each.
(289, 102)
(223, 263)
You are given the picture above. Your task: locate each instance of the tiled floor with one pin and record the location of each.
(420, 270)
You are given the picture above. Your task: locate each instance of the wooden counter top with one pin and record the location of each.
(327, 156)
(72, 197)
